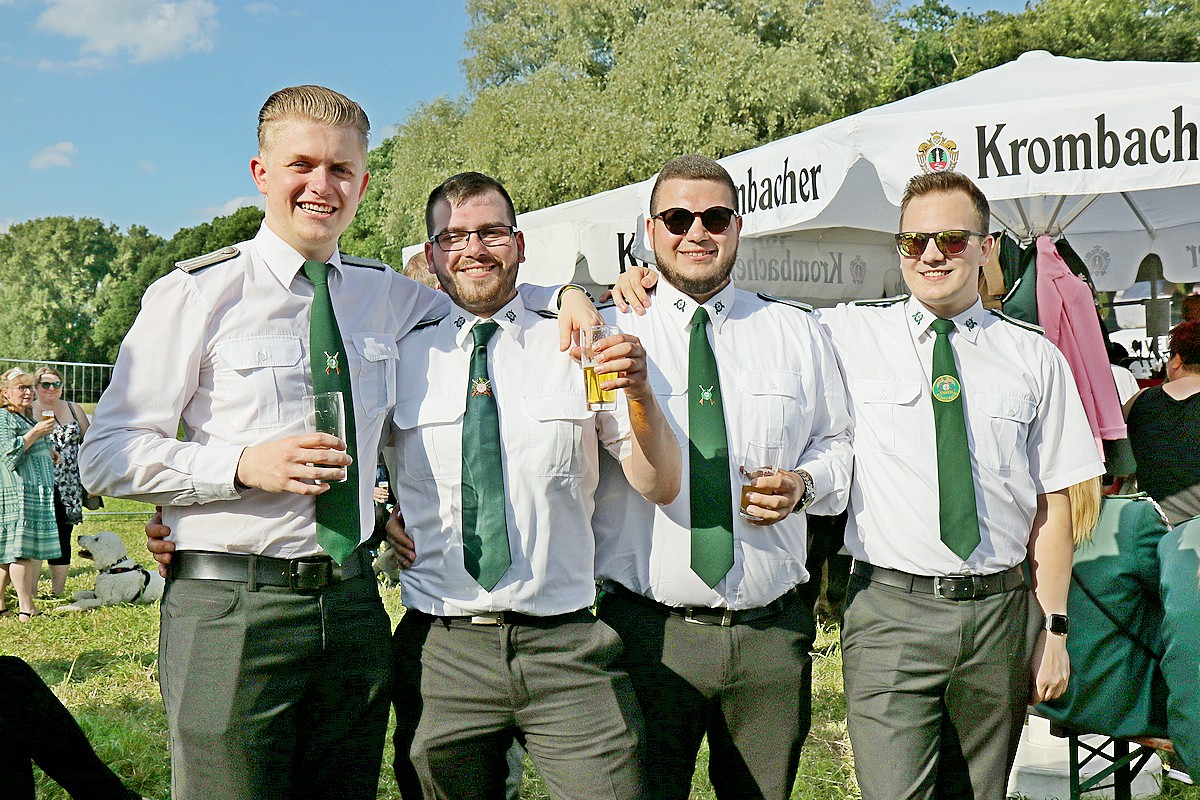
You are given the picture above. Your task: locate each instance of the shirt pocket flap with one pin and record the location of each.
(375, 348)
(562, 406)
(785, 384)
(259, 351)
(890, 392)
(1018, 409)
(429, 410)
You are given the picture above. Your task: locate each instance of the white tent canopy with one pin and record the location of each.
(1107, 153)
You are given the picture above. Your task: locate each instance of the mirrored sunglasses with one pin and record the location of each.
(679, 220)
(911, 244)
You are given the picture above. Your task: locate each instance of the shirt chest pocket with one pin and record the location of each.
(888, 415)
(771, 404)
(1001, 430)
(256, 372)
(375, 387)
(429, 436)
(553, 445)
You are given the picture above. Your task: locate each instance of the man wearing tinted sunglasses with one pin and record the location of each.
(705, 597)
(942, 644)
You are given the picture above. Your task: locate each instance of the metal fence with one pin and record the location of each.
(83, 383)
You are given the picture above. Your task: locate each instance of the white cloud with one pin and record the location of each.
(257, 8)
(147, 166)
(56, 155)
(144, 30)
(232, 205)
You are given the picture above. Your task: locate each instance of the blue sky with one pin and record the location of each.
(144, 111)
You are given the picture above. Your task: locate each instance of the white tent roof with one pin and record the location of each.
(1107, 152)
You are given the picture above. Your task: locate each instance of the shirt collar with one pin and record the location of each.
(967, 324)
(680, 307)
(510, 317)
(284, 262)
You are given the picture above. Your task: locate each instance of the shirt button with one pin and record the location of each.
(262, 356)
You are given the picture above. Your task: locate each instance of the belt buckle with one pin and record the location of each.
(310, 573)
(689, 615)
(956, 587)
(493, 618)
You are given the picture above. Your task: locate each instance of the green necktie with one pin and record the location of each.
(338, 529)
(485, 529)
(708, 453)
(956, 488)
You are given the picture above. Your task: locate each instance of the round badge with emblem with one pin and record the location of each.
(946, 389)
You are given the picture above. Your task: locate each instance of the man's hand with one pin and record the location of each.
(621, 364)
(290, 464)
(380, 493)
(156, 541)
(630, 290)
(1051, 667)
(575, 312)
(774, 497)
(400, 540)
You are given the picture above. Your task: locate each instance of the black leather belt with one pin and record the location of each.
(311, 573)
(703, 615)
(948, 587)
(497, 618)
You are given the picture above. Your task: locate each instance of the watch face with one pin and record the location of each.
(1058, 623)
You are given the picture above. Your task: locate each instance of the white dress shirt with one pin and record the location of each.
(1026, 428)
(224, 349)
(549, 457)
(779, 383)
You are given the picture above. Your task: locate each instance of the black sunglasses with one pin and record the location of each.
(679, 220)
(51, 384)
(911, 244)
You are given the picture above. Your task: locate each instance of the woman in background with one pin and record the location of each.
(27, 530)
(68, 491)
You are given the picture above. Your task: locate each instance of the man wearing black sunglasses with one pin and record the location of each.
(703, 591)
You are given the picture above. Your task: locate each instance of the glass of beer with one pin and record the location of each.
(597, 399)
(327, 414)
(761, 459)
(49, 415)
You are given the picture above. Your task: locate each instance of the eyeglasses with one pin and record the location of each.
(679, 220)
(51, 384)
(24, 387)
(911, 244)
(494, 236)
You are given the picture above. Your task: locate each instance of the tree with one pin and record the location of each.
(50, 269)
(572, 97)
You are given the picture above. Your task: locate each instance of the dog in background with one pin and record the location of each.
(120, 578)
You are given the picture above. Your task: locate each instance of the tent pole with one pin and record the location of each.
(1137, 212)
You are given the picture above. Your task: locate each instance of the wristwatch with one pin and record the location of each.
(810, 493)
(1057, 623)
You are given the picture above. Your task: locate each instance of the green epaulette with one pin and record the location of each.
(208, 259)
(787, 301)
(1029, 326)
(357, 261)
(881, 303)
(427, 323)
(542, 312)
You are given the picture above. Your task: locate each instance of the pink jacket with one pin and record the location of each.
(1067, 312)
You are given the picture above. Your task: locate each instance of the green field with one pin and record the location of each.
(102, 664)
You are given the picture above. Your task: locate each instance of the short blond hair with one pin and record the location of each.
(312, 103)
(417, 268)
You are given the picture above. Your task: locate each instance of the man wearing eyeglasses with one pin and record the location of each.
(497, 460)
(704, 596)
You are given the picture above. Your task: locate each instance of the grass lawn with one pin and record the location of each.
(102, 664)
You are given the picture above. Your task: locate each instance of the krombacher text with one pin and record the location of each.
(784, 188)
(1103, 149)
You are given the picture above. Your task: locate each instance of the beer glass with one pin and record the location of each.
(597, 399)
(327, 414)
(761, 459)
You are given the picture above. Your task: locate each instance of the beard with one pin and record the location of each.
(480, 297)
(698, 284)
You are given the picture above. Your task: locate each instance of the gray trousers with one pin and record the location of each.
(747, 686)
(935, 685)
(274, 694)
(464, 691)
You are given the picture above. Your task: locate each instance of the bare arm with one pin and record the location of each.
(1051, 552)
(653, 467)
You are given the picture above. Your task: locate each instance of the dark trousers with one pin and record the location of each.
(64, 534)
(747, 686)
(936, 690)
(36, 727)
(463, 691)
(274, 694)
